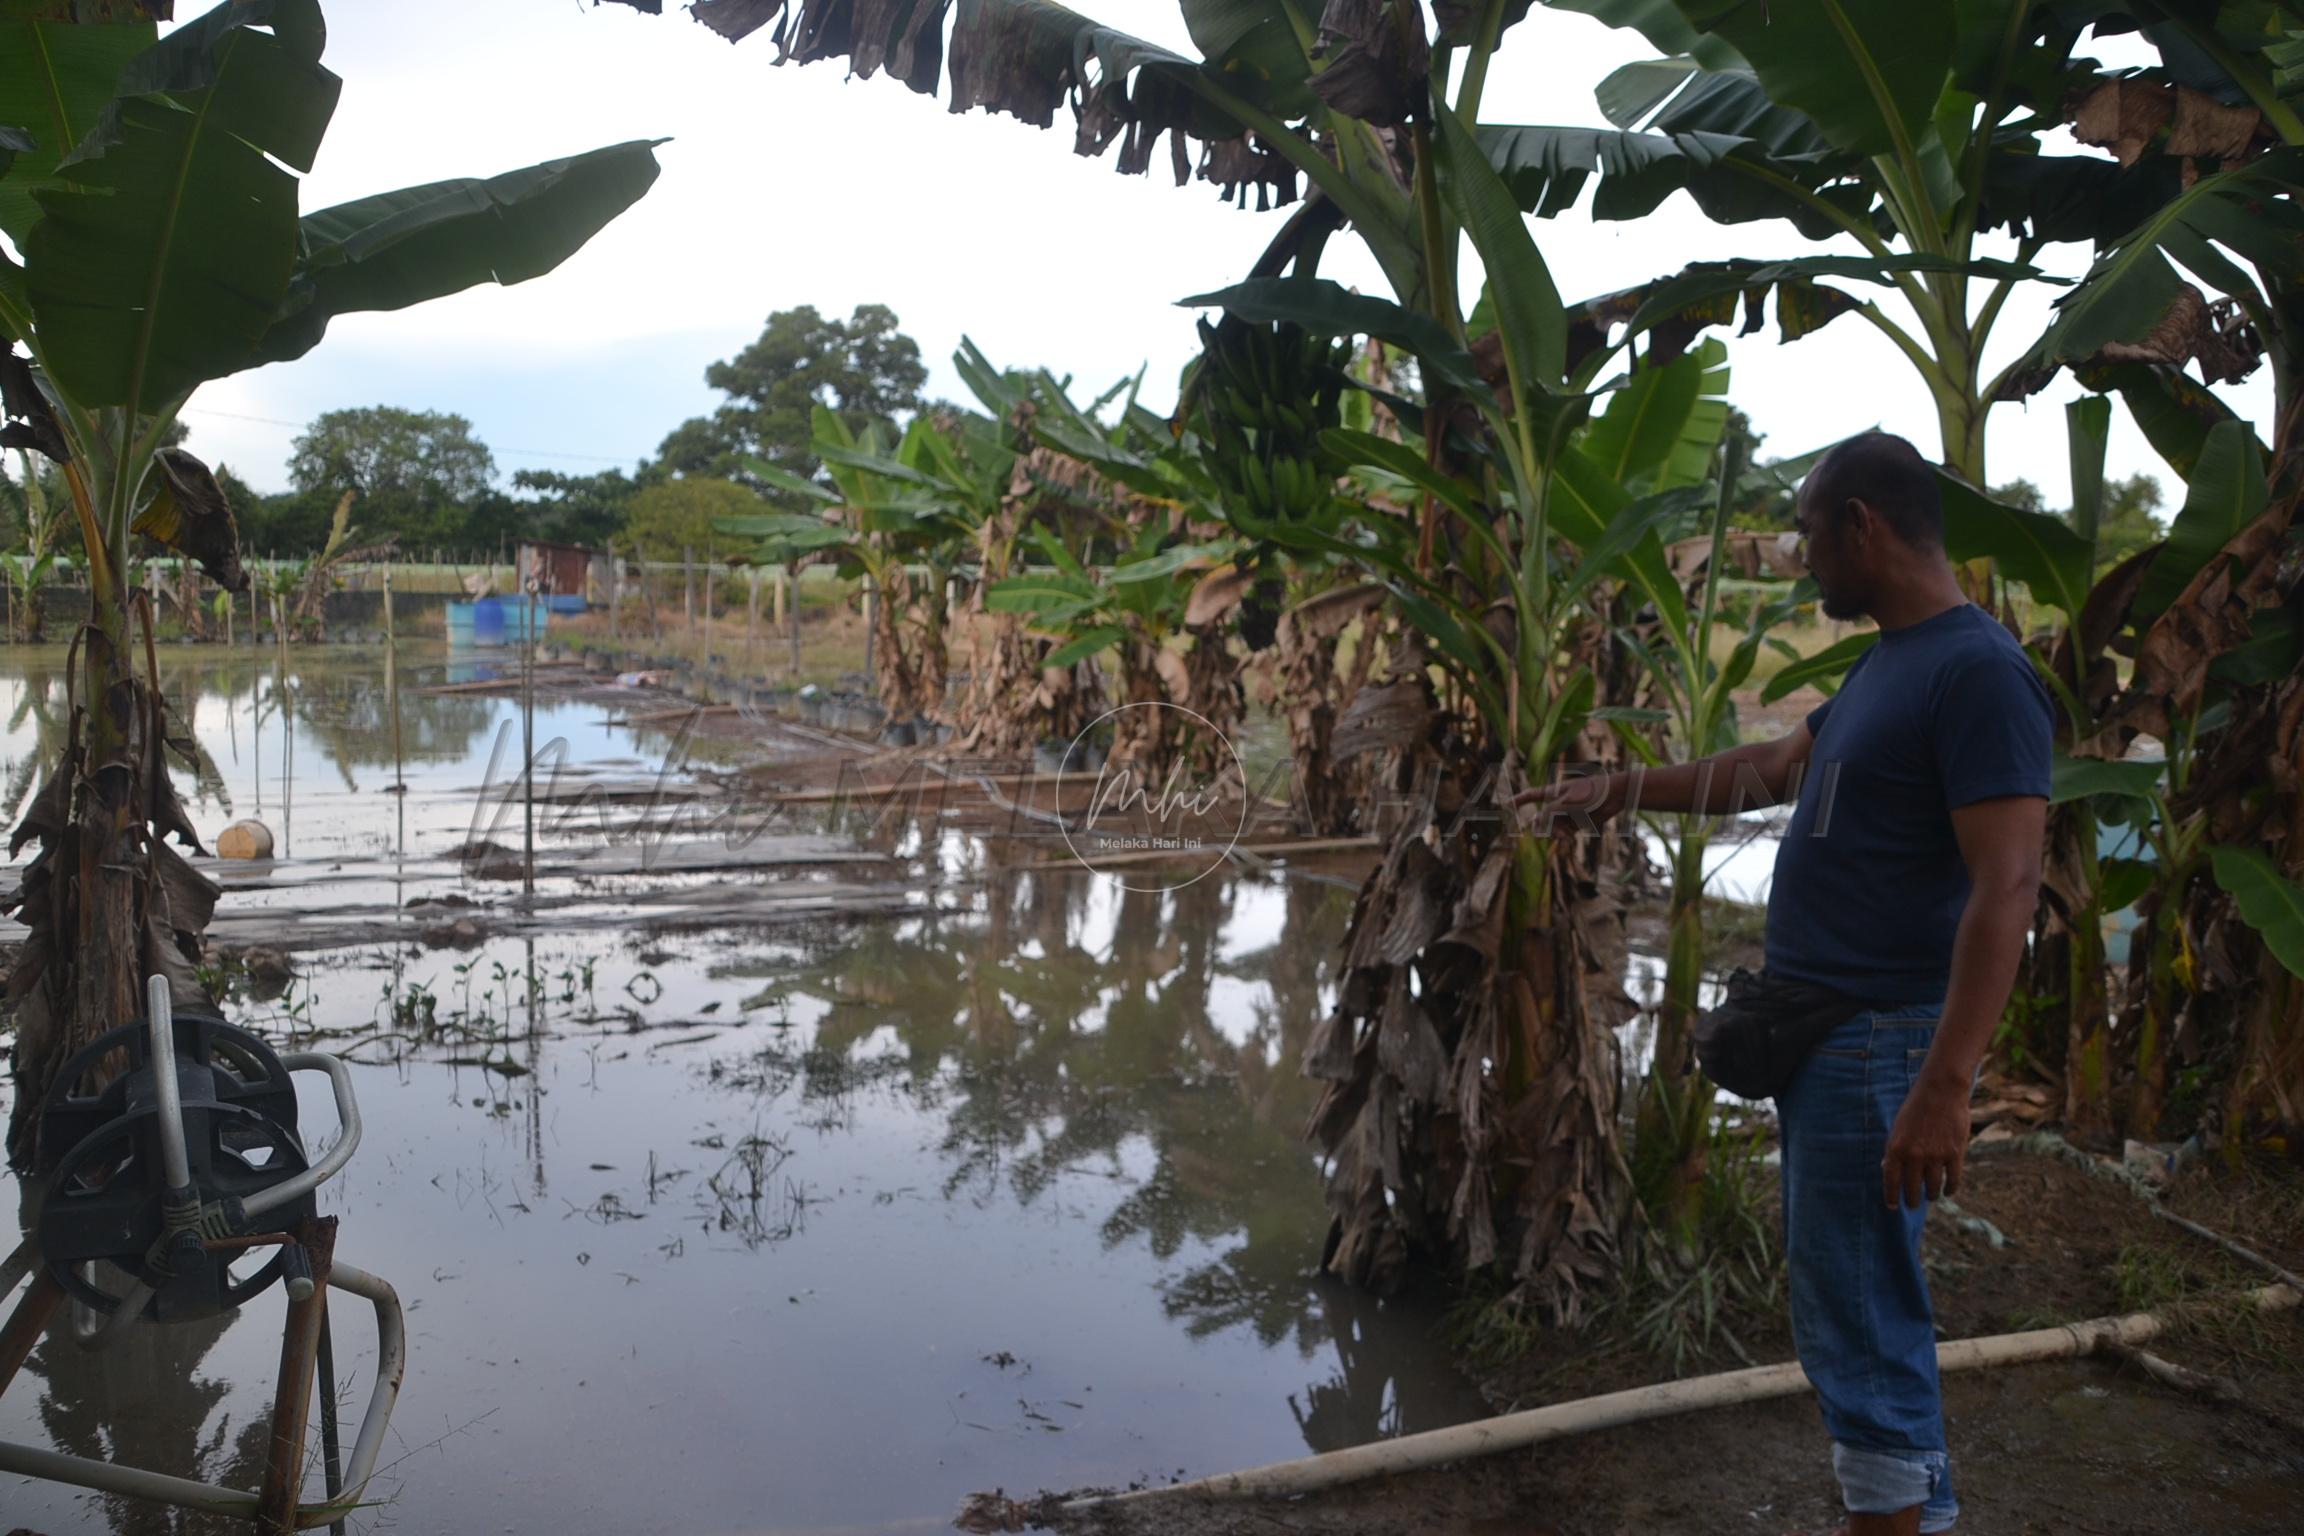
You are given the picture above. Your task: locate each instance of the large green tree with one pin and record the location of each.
(679, 514)
(415, 473)
(2129, 519)
(862, 368)
(578, 509)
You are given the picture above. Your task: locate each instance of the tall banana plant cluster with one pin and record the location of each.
(1513, 509)
(148, 195)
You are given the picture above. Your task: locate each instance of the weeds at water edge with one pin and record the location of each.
(1681, 1305)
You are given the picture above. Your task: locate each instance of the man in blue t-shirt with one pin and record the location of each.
(1906, 881)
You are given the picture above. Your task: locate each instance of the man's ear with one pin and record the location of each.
(1861, 521)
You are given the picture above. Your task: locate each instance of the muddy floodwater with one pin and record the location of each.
(820, 1221)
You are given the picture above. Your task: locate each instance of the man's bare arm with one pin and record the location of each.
(1741, 779)
(2000, 841)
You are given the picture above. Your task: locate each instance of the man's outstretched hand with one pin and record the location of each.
(1586, 799)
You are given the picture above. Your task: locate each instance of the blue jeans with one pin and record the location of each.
(1860, 1315)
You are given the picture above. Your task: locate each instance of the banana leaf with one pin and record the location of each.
(2269, 902)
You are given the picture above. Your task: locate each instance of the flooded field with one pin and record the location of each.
(894, 1190)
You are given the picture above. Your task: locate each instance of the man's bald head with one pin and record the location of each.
(1886, 474)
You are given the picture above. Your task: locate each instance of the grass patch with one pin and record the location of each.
(2206, 1297)
(1734, 922)
(2150, 1277)
(1682, 1305)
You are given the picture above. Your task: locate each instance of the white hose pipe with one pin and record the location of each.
(1556, 1421)
(132, 1482)
(160, 1017)
(347, 1142)
(391, 1369)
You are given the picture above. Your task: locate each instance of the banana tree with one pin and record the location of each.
(903, 516)
(1016, 701)
(1136, 611)
(1472, 1088)
(1129, 534)
(150, 188)
(29, 572)
(1256, 409)
(1917, 132)
(2209, 618)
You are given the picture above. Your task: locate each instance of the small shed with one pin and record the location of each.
(564, 572)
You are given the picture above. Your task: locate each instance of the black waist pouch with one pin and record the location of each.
(1764, 1028)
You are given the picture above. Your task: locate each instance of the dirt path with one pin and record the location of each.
(2083, 1446)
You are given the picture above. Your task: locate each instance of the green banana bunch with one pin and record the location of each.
(1261, 397)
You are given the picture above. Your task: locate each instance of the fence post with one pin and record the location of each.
(392, 679)
(615, 587)
(688, 592)
(751, 610)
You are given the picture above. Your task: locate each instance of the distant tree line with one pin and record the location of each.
(422, 478)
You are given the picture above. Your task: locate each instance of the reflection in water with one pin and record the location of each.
(105, 1407)
(257, 728)
(790, 1227)
(1069, 1024)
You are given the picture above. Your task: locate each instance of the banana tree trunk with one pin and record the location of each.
(895, 666)
(1332, 790)
(1013, 702)
(106, 901)
(2155, 1015)
(2071, 966)
(935, 642)
(1470, 1110)
(1960, 420)
(2267, 1090)
(1672, 1134)
(1139, 736)
(1214, 691)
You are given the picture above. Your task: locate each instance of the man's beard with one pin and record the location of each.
(1839, 605)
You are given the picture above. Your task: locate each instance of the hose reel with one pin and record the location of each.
(104, 1164)
(186, 1177)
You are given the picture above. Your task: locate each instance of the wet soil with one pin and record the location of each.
(2074, 1446)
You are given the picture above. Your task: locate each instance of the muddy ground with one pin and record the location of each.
(2069, 1448)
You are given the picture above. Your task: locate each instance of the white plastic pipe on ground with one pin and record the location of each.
(1556, 1421)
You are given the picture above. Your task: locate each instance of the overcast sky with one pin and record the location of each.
(795, 185)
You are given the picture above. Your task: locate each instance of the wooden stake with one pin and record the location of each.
(292, 1396)
(392, 680)
(528, 749)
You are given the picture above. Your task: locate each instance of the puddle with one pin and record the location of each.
(826, 1224)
